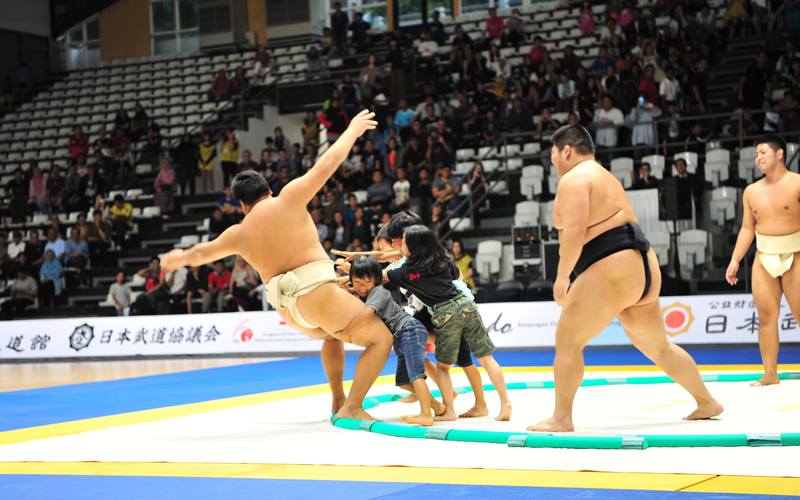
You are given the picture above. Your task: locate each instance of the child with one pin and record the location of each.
(587, 19)
(429, 273)
(121, 295)
(409, 335)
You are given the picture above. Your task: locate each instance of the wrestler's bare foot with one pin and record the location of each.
(767, 379)
(355, 414)
(475, 412)
(505, 413)
(337, 403)
(706, 410)
(554, 424)
(419, 420)
(447, 416)
(412, 398)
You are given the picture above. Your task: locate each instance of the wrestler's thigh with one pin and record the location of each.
(644, 325)
(316, 333)
(766, 292)
(655, 279)
(790, 283)
(596, 298)
(333, 309)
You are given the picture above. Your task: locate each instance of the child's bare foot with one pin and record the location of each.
(706, 410)
(437, 407)
(553, 424)
(447, 416)
(770, 379)
(337, 403)
(355, 414)
(475, 412)
(505, 413)
(411, 398)
(419, 420)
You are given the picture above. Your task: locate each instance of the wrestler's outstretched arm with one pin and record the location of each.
(203, 253)
(302, 189)
(573, 207)
(745, 238)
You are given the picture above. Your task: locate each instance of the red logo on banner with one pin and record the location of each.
(677, 318)
(242, 332)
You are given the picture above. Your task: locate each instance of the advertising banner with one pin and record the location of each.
(699, 319)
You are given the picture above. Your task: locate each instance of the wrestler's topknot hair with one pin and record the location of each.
(397, 226)
(249, 186)
(366, 266)
(575, 136)
(775, 142)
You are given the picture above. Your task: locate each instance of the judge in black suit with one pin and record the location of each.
(689, 186)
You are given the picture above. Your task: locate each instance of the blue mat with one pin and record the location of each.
(35, 407)
(38, 487)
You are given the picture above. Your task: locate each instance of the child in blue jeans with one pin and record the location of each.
(410, 336)
(429, 273)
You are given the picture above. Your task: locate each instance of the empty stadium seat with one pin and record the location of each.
(621, 168)
(716, 173)
(692, 244)
(723, 204)
(526, 213)
(660, 242)
(512, 291)
(530, 184)
(151, 212)
(487, 259)
(458, 224)
(188, 241)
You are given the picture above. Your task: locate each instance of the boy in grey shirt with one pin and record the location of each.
(121, 294)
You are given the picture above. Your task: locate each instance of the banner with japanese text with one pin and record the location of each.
(699, 319)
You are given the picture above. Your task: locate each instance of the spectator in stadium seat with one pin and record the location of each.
(495, 28)
(23, 293)
(587, 19)
(609, 31)
(427, 51)
(350, 213)
(340, 232)
(436, 28)
(34, 252)
(461, 39)
(670, 88)
(139, 123)
(50, 276)
(285, 161)
(360, 229)
(538, 50)
(15, 248)
(310, 130)
(645, 181)
(185, 158)
(165, 185)
(219, 87)
(121, 294)
(55, 243)
(445, 188)
(230, 206)
(572, 63)
(755, 89)
(606, 120)
(359, 28)
(78, 144)
(520, 119)
(599, 66)
(327, 47)
(151, 152)
(402, 191)
(217, 224)
(229, 155)
(335, 120)
(53, 199)
(103, 144)
(306, 164)
(262, 63)
(566, 94)
(585, 102)
(207, 154)
(516, 29)
(283, 179)
(243, 286)
(247, 163)
(648, 84)
(120, 140)
(155, 286)
(690, 186)
(196, 284)
(125, 177)
(120, 217)
(643, 134)
(635, 27)
(98, 238)
(379, 193)
(737, 17)
(322, 228)
(77, 254)
(240, 83)
(789, 118)
(18, 189)
(89, 187)
(122, 122)
(332, 205)
(176, 286)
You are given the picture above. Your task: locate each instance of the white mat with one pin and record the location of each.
(298, 432)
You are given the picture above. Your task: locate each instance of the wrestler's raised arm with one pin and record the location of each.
(573, 207)
(302, 189)
(203, 253)
(745, 238)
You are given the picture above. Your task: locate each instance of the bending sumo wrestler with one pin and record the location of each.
(771, 213)
(279, 239)
(606, 270)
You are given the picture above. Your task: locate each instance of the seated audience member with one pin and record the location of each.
(427, 51)
(350, 212)
(98, 237)
(56, 244)
(17, 189)
(646, 181)
(120, 216)
(165, 185)
(78, 144)
(34, 253)
(436, 28)
(139, 123)
(247, 163)
(285, 161)
(516, 29)
(446, 188)
(53, 199)
(219, 87)
(240, 83)
(122, 123)
(332, 205)
(402, 190)
(176, 286)
(217, 224)
(89, 187)
(121, 294)
(243, 286)
(361, 229)
(230, 207)
(50, 276)
(154, 286)
(283, 179)
(340, 232)
(322, 228)
(23, 293)
(196, 285)
(103, 144)
(495, 26)
(379, 193)
(6, 263)
(218, 283)
(14, 249)
(77, 254)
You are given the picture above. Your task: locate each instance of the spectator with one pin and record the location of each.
(196, 284)
(34, 252)
(379, 194)
(207, 155)
(755, 88)
(71, 196)
(306, 164)
(690, 187)
(789, 118)
(77, 254)
(350, 212)
(359, 27)
(139, 123)
(491, 128)
(393, 158)
(464, 262)
(436, 28)
(176, 283)
(495, 27)
(247, 163)
(185, 156)
(121, 219)
(121, 294)
(219, 87)
(606, 120)
(122, 144)
(8, 92)
(427, 51)
(519, 120)
(78, 144)
(231, 207)
(243, 286)
(23, 293)
(332, 205)
(217, 224)
(340, 231)
(18, 190)
(643, 132)
(402, 190)
(598, 68)
(102, 167)
(98, 238)
(125, 178)
(697, 34)
(737, 18)
(360, 229)
(708, 19)
(670, 88)
(152, 148)
(229, 155)
(322, 228)
(646, 181)
(53, 198)
(648, 84)
(566, 94)
(609, 31)
(587, 19)
(122, 122)
(50, 276)
(262, 63)
(154, 286)
(460, 39)
(547, 124)
(414, 156)
(327, 47)
(437, 219)
(516, 29)
(283, 180)
(165, 188)
(310, 130)
(89, 187)
(15, 248)
(335, 120)
(103, 144)
(446, 188)
(285, 161)
(587, 98)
